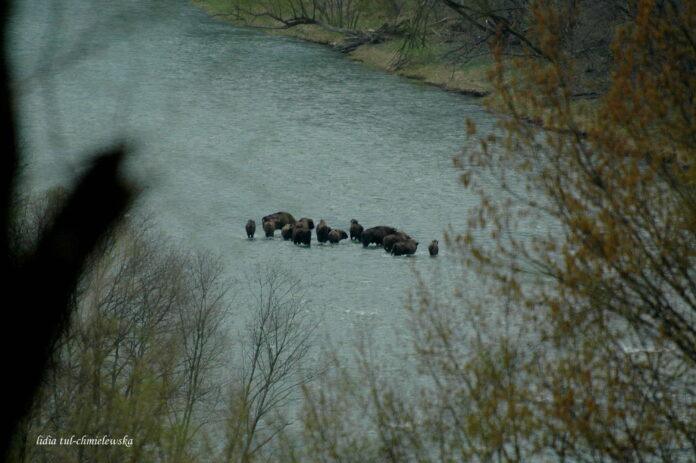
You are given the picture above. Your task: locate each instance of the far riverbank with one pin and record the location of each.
(429, 68)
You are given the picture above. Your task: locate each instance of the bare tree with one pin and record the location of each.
(201, 322)
(278, 340)
(140, 355)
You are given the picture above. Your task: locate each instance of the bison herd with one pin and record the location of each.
(299, 231)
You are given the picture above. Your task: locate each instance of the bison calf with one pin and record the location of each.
(250, 229)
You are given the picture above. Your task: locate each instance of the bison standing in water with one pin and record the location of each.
(355, 230)
(389, 240)
(302, 235)
(337, 235)
(286, 231)
(404, 248)
(269, 227)
(305, 222)
(376, 235)
(280, 219)
(250, 229)
(323, 231)
(433, 249)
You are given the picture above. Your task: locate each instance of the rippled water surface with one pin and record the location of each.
(231, 124)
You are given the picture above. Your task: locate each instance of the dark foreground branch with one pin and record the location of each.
(37, 288)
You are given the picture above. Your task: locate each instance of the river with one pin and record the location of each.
(230, 124)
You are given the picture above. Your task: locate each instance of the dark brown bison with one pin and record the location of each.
(302, 235)
(433, 248)
(250, 228)
(404, 248)
(280, 219)
(389, 240)
(323, 231)
(355, 230)
(269, 227)
(375, 235)
(286, 231)
(337, 235)
(305, 222)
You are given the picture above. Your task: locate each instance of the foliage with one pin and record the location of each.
(459, 31)
(583, 350)
(271, 370)
(147, 356)
(616, 291)
(348, 15)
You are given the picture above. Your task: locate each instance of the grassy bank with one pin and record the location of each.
(428, 65)
(429, 68)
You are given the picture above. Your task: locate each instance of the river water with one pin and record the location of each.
(230, 124)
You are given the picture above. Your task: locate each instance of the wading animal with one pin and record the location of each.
(433, 249)
(286, 231)
(323, 231)
(389, 240)
(280, 219)
(250, 229)
(405, 248)
(355, 230)
(304, 221)
(269, 227)
(302, 235)
(337, 235)
(375, 235)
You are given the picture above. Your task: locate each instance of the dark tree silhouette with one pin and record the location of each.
(38, 285)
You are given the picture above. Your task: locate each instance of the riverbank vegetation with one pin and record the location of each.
(442, 42)
(582, 349)
(150, 358)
